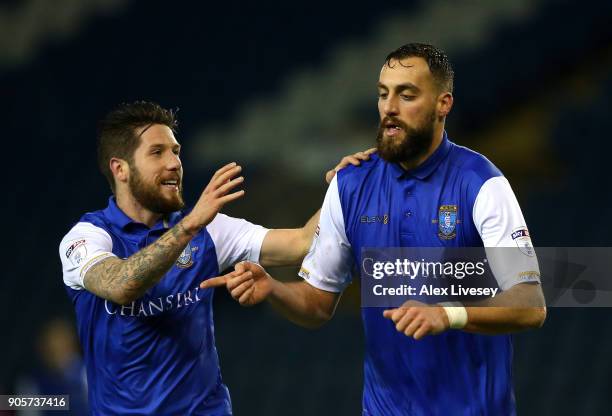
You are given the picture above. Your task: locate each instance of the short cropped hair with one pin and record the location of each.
(117, 132)
(436, 59)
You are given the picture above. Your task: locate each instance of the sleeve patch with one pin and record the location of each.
(522, 240)
(77, 252)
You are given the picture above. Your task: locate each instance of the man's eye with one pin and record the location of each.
(382, 95)
(407, 97)
(156, 152)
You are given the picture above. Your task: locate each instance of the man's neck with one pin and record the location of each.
(435, 143)
(131, 208)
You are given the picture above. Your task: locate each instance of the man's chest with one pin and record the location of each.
(412, 214)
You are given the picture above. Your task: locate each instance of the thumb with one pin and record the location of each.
(241, 267)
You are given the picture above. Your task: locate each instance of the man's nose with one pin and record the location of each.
(174, 162)
(391, 106)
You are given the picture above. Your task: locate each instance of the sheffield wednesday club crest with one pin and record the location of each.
(185, 259)
(447, 221)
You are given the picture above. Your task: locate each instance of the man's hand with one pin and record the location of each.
(249, 283)
(214, 197)
(354, 159)
(416, 319)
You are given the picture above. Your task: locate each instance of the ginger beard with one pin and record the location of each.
(409, 144)
(152, 195)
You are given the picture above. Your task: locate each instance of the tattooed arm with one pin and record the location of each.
(122, 281)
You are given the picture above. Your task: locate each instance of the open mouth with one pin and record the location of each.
(391, 129)
(171, 184)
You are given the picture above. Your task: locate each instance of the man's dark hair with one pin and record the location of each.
(117, 131)
(436, 59)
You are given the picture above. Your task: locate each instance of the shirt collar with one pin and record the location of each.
(430, 164)
(118, 217)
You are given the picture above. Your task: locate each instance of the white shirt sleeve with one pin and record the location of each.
(235, 240)
(502, 228)
(83, 246)
(327, 265)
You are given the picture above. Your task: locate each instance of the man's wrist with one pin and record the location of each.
(189, 226)
(456, 314)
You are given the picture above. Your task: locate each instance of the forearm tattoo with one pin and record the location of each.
(123, 280)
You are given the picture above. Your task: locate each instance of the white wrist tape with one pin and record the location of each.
(457, 314)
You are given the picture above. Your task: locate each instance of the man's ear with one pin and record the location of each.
(120, 169)
(444, 104)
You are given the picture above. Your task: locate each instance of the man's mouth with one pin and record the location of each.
(171, 184)
(392, 129)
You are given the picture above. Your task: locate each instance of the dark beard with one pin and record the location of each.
(415, 144)
(150, 198)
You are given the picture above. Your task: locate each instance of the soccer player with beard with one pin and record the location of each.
(419, 360)
(132, 271)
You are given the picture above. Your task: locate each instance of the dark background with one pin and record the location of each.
(286, 90)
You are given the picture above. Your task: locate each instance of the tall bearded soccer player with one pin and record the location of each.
(132, 271)
(419, 360)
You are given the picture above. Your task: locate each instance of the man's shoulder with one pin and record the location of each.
(356, 175)
(95, 219)
(472, 164)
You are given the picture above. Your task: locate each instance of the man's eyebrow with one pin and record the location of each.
(401, 87)
(163, 145)
(407, 86)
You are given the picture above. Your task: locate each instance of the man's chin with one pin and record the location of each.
(175, 204)
(397, 138)
(168, 205)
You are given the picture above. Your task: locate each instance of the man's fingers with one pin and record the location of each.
(348, 159)
(222, 176)
(231, 197)
(411, 328)
(403, 322)
(226, 177)
(215, 281)
(422, 331)
(240, 289)
(223, 189)
(222, 170)
(246, 295)
(388, 313)
(399, 312)
(370, 151)
(238, 279)
(364, 155)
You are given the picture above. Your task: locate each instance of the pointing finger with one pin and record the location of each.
(215, 281)
(389, 313)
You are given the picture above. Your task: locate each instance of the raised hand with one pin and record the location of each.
(416, 319)
(354, 159)
(249, 283)
(215, 196)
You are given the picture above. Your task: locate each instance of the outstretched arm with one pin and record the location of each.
(122, 281)
(287, 247)
(299, 302)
